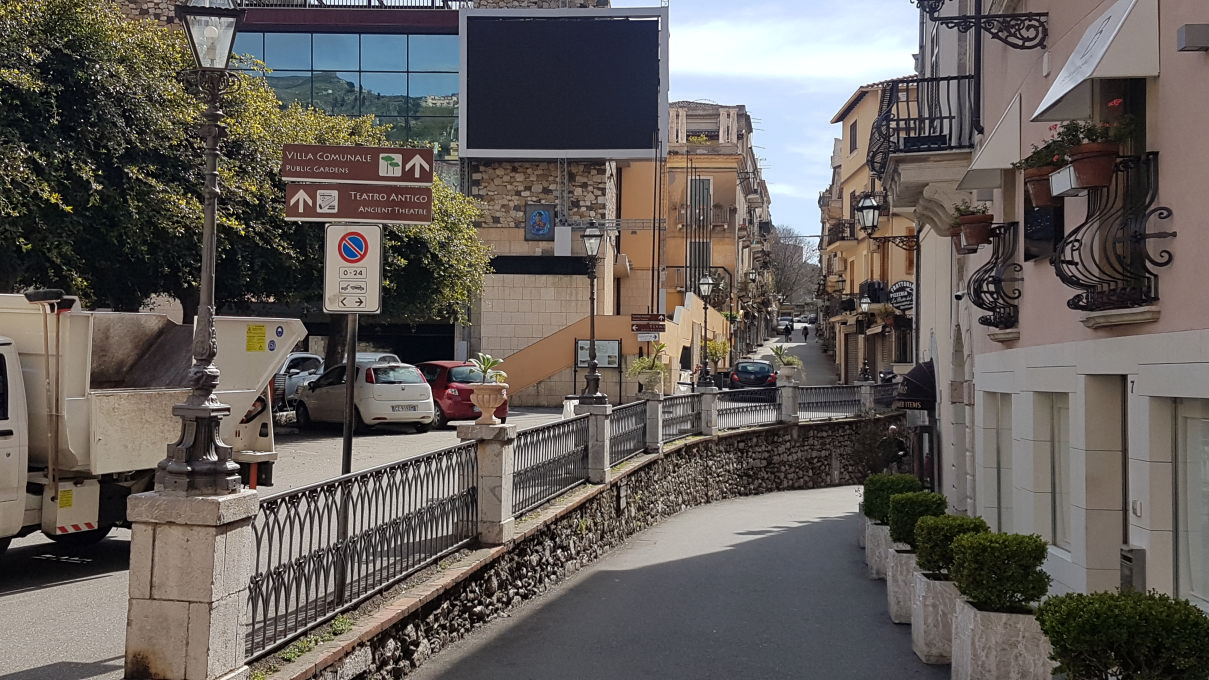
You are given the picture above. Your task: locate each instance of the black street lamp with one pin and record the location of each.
(706, 286)
(591, 394)
(199, 463)
(867, 214)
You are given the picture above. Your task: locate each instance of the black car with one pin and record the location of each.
(753, 374)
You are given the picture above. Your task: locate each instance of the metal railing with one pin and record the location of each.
(825, 402)
(922, 115)
(883, 396)
(681, 416)
(748, 407)
(627, 432)
(342, 4)
(549, 460)
(323, 548)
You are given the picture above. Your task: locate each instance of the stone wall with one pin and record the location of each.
(577, 530)
(504, 188)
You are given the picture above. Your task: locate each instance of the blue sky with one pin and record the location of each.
(792, 63)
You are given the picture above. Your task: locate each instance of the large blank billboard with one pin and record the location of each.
(588, 83)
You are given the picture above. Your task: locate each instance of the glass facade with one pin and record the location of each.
(1192, 502)
(407, 81)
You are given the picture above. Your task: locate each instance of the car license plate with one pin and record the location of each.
(398, 408)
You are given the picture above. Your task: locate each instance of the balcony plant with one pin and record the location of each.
(905, 510)
(995, 632)
(1093, 146)
(490, 392)
(650, 370)
(935, 592)
(975, 221)
(1128, 635)
(1043, 161)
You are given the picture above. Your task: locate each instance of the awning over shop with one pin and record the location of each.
(1122, 43)
(918, 390)
(998, 152)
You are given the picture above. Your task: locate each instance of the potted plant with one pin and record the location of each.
(1093, 146)
(1128, 635)
(935, 593)
(715, 351)
(788, 366)
(995, 632)
(974, 220)
(650, 370)
(905, 510)
(879, 487)
(489, 392)
(1043, 161)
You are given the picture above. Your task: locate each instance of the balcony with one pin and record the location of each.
(923, 134)
(986, 288)
(718, 217)
(345, 4)
(842, 230)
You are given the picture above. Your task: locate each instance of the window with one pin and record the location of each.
(700, 200)
(1192, 501)
(1058, 407)
(1001, 410)
(852, 137)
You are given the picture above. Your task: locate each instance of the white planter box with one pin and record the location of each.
(932, 619)
(865, 522)
(1063, 182)
(900, 583)
(995, 646)
(877, 544)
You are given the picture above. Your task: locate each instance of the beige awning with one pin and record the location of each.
(1000, 149)
(1122, 43)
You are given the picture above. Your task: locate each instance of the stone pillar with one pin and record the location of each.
(191, 560)
(789, 403)
(495, 464)
(598, 440)
(709, 410)
(654, 421)
(866, 390)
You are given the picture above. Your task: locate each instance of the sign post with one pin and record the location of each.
(352, 269)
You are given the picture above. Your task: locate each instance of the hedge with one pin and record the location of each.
(907, 508)
(880, 487)
(934, 540)
(1000, 572)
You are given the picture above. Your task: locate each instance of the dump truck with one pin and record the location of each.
(86, 402)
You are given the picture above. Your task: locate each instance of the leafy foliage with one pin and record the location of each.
(879, 487)
(1126, 636)
(934, 540)
(485, 365)
(782, 357)
(1000, 572)
(907, 508)
(650, 362)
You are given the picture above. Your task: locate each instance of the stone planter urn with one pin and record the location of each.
(900, 582)
(932, 618)
(651, 381)
(488, 397)
(998, 646)
(789, 375)
(877, 545)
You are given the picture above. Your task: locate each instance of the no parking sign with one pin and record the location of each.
(352, 269)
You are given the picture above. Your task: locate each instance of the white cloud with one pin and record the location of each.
(791, 191)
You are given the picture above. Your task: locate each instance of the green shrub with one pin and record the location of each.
(1000, 572)
(934, 540)
(907, 508)
(880, 487)
(1126, 636)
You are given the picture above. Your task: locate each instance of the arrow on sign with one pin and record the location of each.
(352, 302)
(415, 163)
(302, 199)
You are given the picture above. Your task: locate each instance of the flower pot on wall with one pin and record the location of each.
(976, 228)
(488, 397)
(1036, 180)
(651, 381)
(1094, 163)
(960, 246)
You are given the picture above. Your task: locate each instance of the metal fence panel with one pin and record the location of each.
(681, 416)
(748, 407)
(824, 402)
(627, 432)
(883, 396)
(324, 548)
(549, 460)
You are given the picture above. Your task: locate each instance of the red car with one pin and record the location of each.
(451, 383)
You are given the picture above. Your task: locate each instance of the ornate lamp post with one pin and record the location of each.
(199, 464)
(592, 237)
(706, 286)
(867, 214)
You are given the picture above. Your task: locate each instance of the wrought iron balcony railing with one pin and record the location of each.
(986, 288)
(1107, 257)
(345, 4)
(843, 230)
(922, 115)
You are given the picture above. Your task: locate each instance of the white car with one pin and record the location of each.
(384, 392)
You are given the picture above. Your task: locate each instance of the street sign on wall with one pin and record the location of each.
(649, 318)
(648, 327)
(352, 269)
(362, 164)
(358, 203)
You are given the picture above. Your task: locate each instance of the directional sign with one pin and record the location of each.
(361, 164)
(650, 318)
(352, 269)
(648, 337)
(358, 203)
(648, 327)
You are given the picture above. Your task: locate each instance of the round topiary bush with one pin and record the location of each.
(934, 540)
(1000, 572)
(907, 508)
(1126, 636)
(880, 487)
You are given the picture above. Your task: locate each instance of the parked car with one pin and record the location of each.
(297, 368)
(753, 374)
(384, 392)
(451, 383)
